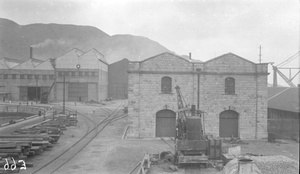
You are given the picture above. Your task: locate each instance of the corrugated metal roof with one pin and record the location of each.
(282, 98)
(35, 62)
(99, 55)
(3, 64)
(69, 59)
(27, 65)
(11, 64)
(46, 65)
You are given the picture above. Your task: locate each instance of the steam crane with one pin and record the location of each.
(191, 146)
(286, 79)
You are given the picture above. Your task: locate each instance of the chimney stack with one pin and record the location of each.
(52, 61)
(30, 54)
(190, 56)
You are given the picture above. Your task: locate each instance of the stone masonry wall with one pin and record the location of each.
(145, 98)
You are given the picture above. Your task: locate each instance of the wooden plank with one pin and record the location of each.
(192, 159)
(21, 139)
(2, 170)
(16, 150)
(9, 145)
(9, 154)
(39, 143)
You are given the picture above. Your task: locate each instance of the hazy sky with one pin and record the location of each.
(206, 28)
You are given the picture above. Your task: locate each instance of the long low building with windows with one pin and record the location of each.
(83, 74)
(230, 89)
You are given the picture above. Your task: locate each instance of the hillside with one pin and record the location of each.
(53, 40)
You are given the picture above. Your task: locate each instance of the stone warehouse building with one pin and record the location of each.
(232, 92)
(86, 77)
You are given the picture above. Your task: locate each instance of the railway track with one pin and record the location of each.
(93, 130)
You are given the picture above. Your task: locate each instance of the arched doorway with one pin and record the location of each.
(228, 125)
(165, 123)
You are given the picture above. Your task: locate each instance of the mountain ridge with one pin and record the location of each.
(53, 40)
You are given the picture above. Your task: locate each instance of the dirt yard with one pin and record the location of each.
(109, 154)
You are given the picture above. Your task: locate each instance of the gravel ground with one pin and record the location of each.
(276, 164)
(287, 148)
(108, 153)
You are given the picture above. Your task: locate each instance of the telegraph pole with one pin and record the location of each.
(64, 102)
(77, 97)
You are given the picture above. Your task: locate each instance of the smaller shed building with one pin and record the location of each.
(283, 112)
(118, 79)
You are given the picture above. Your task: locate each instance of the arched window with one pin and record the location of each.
(229, 85)
(166, 85)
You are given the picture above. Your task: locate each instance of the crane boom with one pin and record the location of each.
(288, 81)
(180, 102)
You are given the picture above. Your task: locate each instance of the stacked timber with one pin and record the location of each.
(23, 143)
(62, 121)
(39, 130)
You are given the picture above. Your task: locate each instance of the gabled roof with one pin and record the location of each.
(163, 54)
(229, 54)
(94, 53)
(76, 56)
(46, 65)
(286, 99)
(10, 63)
(27, 65)
(3, 65)
(99, 55)
(36, 61)
(272, 91)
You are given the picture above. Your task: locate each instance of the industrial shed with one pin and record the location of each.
(283, 112)
(118, 79)
(86, 77)
(230, 89)
(26, 80)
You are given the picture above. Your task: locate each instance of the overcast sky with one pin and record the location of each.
(206, 28)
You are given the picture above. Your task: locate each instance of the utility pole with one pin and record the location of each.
(36, 87)
(77, 97)
(64, 105)
(260, 53)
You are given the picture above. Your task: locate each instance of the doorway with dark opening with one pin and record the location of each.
(33, 93)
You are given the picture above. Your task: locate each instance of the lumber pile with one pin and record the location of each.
(31, 141)
(62, 121)
(24, 143)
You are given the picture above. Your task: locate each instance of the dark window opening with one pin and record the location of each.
(22, 76)
(86, 73)
(44, 77)
(166, 85)
(229, 86)
(5, 76)
(29, 76)
(14, 76)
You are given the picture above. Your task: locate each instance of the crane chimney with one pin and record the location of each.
(190, 56)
